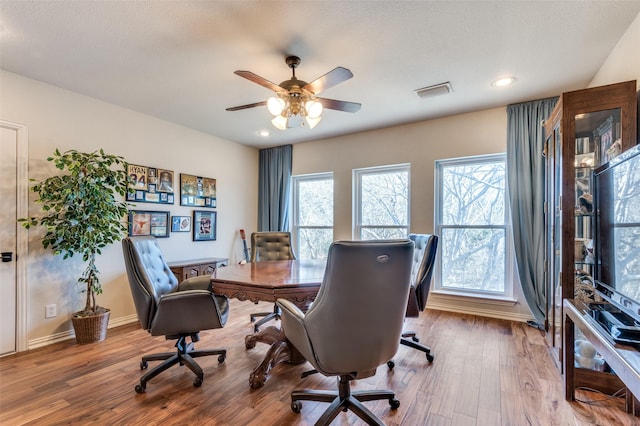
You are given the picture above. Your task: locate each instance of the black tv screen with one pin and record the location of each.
(617, 232)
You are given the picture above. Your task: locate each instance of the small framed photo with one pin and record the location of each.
(204, 225)
(145, 222)
(180, 223)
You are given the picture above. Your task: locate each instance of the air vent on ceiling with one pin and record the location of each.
(435, 90)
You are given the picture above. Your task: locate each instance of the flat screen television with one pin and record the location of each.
(617, 244)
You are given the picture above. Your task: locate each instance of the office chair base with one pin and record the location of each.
(184, 355)
(268, 316)
(344, 400)
(413, 343)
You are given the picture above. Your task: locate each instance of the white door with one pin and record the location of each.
(12, 238)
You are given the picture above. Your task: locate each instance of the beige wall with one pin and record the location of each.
(623, 63)
(61, 119)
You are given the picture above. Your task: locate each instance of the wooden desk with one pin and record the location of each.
(295, 280)
(624, 360)
(184, 269)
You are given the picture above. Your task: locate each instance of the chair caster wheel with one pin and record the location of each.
(296, 406)
(197, 382)
(415, 339)
(430, 357)
(253, 319)
(143, 365)
(221, 358)
(391, 364)
(139, 389)
(394, 403)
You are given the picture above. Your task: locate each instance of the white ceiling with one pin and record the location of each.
(175, 59)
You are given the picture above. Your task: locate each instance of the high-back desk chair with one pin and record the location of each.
(167, 308)
(266, 246)
(354, 324)
(424, 258)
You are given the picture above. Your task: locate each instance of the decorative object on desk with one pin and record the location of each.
(197, 191)
(147, 222)
(150, 185)
(83, 209)
(180, 224)
(296, 99)
(204, 225)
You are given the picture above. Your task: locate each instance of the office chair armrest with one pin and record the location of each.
(291, 308)
(294, 329)
(202, 282)
(188, 311)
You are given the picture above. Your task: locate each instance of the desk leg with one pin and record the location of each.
(281, 350)
(569, 359)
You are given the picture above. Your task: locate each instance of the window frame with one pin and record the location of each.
(357, 196)
(509, 266)
(295, 201)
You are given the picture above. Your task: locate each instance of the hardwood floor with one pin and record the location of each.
(486, 372)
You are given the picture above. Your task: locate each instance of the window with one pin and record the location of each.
(381, 202)
(312, 229)
(471, 212)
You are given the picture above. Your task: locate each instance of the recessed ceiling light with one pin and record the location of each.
(264, 133)
(501, 82)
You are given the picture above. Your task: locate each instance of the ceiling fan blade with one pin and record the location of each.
(238, 108)
(330, 79)
(260, 80)
(340, 105)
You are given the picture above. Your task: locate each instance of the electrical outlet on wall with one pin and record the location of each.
(50, 311)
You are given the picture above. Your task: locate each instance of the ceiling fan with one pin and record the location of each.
(296, 99)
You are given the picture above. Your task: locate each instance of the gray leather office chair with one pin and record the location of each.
(266, 246)
(424, 258)
(175, 310)
(354, 324)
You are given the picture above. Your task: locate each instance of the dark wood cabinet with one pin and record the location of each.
(586, 129)
(196, 267)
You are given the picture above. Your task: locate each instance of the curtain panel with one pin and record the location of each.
(274, 181)
(525, 175)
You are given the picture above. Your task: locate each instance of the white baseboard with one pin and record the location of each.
(69, 334)
(483, 312)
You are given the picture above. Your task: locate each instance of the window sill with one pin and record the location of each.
(483, 298)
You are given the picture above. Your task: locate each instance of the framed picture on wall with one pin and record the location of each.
(146, 222)
(180, 223)
(204, 225)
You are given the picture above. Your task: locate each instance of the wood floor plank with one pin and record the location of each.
(486, 372)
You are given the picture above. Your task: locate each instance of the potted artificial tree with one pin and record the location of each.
(83, 212)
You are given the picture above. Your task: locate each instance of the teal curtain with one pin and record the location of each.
(274, 181)
(525, 175)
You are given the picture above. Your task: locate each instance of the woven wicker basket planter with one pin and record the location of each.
(91, 329)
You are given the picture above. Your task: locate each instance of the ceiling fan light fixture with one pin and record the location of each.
(313, 108)
(275, 105)
(279, 122)
(312, 122)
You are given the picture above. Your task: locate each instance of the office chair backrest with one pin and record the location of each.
(424, 259)
(271, 246)
(149, 275)
(355, 322)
